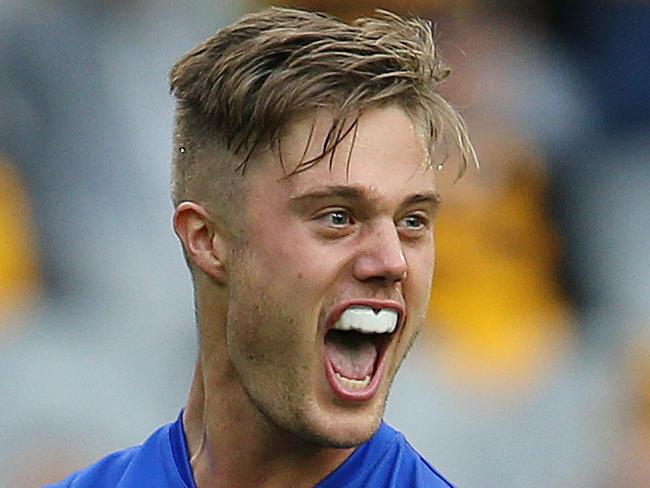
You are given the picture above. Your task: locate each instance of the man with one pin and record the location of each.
(304, 191)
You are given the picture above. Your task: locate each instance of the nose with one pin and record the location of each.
(381, 256)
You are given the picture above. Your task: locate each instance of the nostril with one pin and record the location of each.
(381, 256)
(373, 267)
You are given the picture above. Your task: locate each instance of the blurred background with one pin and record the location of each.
(534, 369)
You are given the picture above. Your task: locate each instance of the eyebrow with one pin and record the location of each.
(354, 193)
(432, 198)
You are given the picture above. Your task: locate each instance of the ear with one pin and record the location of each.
(204, 243)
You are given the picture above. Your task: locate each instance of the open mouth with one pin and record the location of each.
(355, 348)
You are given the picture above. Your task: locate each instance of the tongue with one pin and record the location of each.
(352, 354)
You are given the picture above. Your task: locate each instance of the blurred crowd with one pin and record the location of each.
(534, 369)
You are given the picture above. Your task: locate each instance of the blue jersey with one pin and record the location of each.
(387, 460)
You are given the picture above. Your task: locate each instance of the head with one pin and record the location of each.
(305, 197)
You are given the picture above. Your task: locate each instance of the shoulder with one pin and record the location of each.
(106, 472)
(407, 467)
(150, 464)
(387, 460)
(422, 472)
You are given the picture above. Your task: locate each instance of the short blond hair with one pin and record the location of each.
(242, 87)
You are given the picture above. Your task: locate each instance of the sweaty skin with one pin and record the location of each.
(262, 411)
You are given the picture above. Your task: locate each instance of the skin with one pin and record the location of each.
(261, 411)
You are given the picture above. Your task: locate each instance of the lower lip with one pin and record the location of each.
(362, 394)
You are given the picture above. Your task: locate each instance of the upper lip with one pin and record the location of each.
(341, 307)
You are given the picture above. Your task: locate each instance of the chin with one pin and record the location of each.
(356, 436)
(346, 430)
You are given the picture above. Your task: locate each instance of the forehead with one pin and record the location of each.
(384, 154)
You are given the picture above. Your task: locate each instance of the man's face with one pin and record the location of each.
(343, 247)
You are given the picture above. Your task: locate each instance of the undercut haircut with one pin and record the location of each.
(241, 88)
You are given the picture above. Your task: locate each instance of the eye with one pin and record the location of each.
(337, 218)
(413, 222)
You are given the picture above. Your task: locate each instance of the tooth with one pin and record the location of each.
(343, 324)
(392, 320)
(368, 320)
(359, 318)
(351, 384)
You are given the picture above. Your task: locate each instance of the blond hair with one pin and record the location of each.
(243, 86)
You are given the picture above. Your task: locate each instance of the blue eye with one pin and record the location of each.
(338, 218)
(413, 222)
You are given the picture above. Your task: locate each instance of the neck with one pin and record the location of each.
(232, 444)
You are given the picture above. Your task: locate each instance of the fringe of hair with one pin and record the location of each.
(245, 84)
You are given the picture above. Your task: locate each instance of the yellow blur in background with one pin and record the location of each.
(496, 302)
(18, 260)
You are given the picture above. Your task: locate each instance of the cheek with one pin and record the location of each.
(294, 262)
(266, 321)
(275, 252)
(421, 269)
(260, 332)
